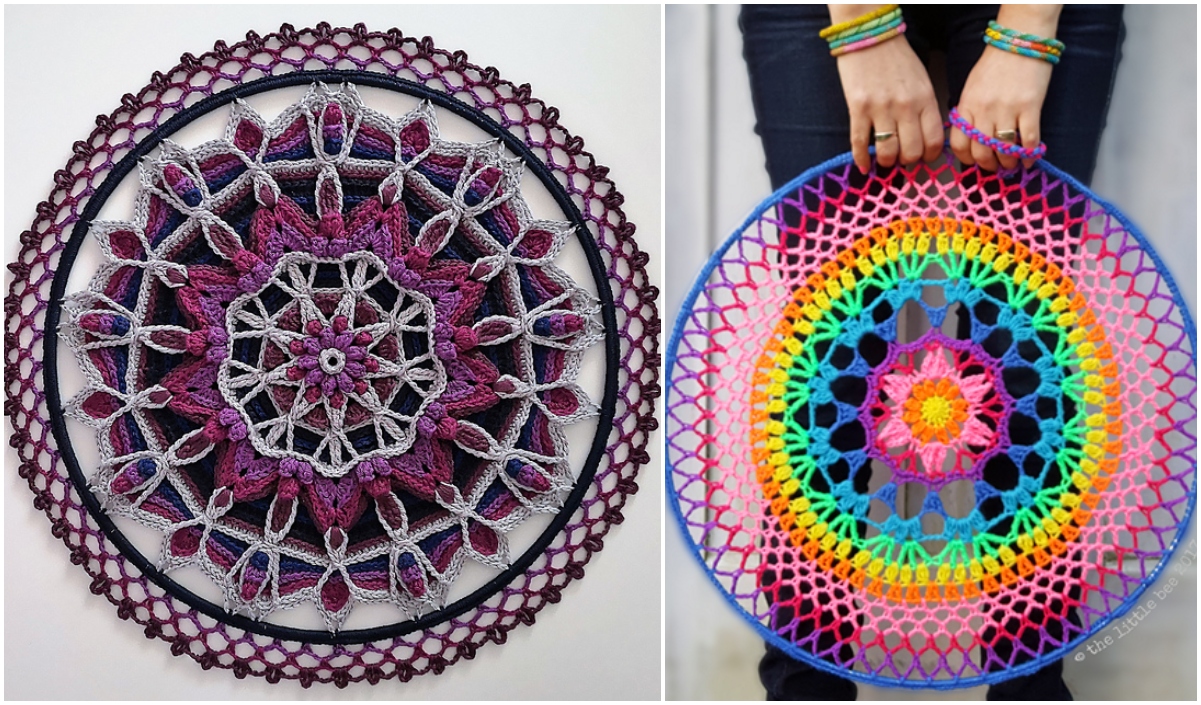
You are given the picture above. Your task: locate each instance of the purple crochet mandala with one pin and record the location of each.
(332, 360)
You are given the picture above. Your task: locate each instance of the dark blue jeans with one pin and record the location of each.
(802, 118)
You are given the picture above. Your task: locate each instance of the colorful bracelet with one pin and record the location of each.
(1004, 46)
(860, 20)
(1014, 34)
(870, 41)
(990, 32)
(875, 31)
(886, 18)
(864, 31)
(1007, 148)
(1030, 45)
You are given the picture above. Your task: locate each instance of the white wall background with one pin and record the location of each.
(1147, 167)
(65, 65)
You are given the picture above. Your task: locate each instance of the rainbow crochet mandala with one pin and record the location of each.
(933, 427)
(332, 361)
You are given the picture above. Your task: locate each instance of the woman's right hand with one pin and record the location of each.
(888, 90)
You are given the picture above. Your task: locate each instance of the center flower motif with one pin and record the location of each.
(333, 361)
(933, 409)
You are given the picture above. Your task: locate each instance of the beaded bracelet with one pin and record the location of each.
(1030, 45)
(1009, 149)
(864, 31)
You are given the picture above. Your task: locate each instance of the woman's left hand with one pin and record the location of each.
(1006, 91)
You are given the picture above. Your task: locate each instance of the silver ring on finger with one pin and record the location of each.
(884, 136)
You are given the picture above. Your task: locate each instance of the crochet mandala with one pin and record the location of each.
(330, 359)
(933, 427)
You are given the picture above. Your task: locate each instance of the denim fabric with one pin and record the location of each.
(802, 118)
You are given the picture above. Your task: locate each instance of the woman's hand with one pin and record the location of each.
(1006, 91)
(888, 90)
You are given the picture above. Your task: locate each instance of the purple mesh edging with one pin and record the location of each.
(211, 643)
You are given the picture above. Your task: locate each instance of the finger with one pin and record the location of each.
(861, 138)
(1031, 137)
(984, 156)
(1007, 161)
(961, 144)
(909, 130)
(932, 135)
(887, 149)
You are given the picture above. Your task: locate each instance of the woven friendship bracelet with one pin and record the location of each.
(999, 146)
(353, 406)
(933, 427)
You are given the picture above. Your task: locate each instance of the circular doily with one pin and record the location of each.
(932, 427)
(331, 360)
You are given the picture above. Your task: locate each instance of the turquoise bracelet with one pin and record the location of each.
(1001, 29)
(1013, 49)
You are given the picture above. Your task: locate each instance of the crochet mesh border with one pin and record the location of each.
(212, 643)
(698, 481)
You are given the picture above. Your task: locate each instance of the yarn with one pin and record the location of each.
(940, 507)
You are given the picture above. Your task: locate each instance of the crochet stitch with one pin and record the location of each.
(331, 359)
(820, 449)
